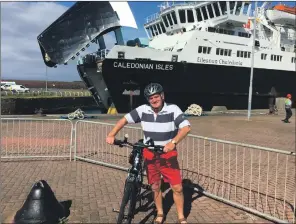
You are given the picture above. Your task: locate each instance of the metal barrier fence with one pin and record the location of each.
(48, 93)
(257, 179)
(35, 138)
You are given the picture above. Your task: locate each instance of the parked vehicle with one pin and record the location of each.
(7, 82)
(15, 88)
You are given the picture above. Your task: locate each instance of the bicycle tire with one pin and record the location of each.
(129, 197)
(71, 116)
(81, 116)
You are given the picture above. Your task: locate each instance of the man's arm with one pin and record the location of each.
(182, 133)
(184, 128)
(118, 126)
(132, 117)
(182, 124)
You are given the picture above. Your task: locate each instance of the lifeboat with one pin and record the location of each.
(282, 14)
(284, 8)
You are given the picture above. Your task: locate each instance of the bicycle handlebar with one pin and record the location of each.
(152, 147)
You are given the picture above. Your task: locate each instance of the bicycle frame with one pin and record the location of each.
(134, 180)
(135, 173)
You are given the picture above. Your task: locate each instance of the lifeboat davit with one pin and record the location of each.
(282, 14)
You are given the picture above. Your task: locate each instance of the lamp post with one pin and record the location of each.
(252, 64)
(45, 78)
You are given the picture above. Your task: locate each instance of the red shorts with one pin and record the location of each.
(166, 165)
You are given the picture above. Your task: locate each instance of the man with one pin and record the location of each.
(166, 125)
(288, 106)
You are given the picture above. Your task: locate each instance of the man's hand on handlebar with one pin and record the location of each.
(110, 140)
(169, 147)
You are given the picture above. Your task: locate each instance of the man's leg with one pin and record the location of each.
(157, 194)
(154, 179)
(289, 114)
(179, 200)
(171, 173)
(286, 119)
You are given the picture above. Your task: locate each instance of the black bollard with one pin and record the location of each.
(41, 206)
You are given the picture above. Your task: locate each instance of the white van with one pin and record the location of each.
(15, 88)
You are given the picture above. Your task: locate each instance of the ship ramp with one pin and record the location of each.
(69, 36)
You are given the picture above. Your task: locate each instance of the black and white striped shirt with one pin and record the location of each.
(161, 127)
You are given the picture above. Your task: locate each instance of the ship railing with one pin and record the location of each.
(166, 7)
(101, 54)
(152, 17)
(98, 55)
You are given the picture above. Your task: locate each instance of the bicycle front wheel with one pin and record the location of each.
(127, 208)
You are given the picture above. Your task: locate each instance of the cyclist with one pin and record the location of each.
(167, 126)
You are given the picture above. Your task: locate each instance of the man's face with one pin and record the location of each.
(156, 101)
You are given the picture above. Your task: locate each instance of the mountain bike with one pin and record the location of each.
(134, 180)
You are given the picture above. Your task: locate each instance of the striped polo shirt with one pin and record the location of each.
(161, 127)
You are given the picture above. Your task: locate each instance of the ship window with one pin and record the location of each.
(152, 31)
(182, 16)
(155, 29)
(293, 60)
(276, 57)
(216, 8)
(223, 7)
(243, 54)
(198, 15)
(174, 17)
(243, 34)
(220, 30)
(204, 12)
(190, 16)
(211, 14)
(245, 10)
(224, 52)
(170, 19)
(158, 27)
(238, 8)
(212, 29)
(263, 56)
(165, 21)
(204, 50)
(162, 27)
(231, 6)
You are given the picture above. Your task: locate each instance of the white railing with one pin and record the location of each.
(152, 17)
(23, 138)
(257, 179)
(66, 93)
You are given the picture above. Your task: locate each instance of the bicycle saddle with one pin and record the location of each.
(41, 206)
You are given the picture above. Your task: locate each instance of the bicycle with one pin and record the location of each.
(79, 114)
(134, 180)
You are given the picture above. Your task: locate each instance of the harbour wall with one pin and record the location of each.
(49, 105)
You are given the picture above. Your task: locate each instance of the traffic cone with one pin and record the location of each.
(112, 110)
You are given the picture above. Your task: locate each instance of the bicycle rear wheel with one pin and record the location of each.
(127, 207)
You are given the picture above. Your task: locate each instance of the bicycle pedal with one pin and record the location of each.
(115, 210)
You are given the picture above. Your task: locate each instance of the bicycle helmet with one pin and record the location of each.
(151, 89)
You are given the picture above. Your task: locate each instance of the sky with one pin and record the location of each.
(22, 22)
